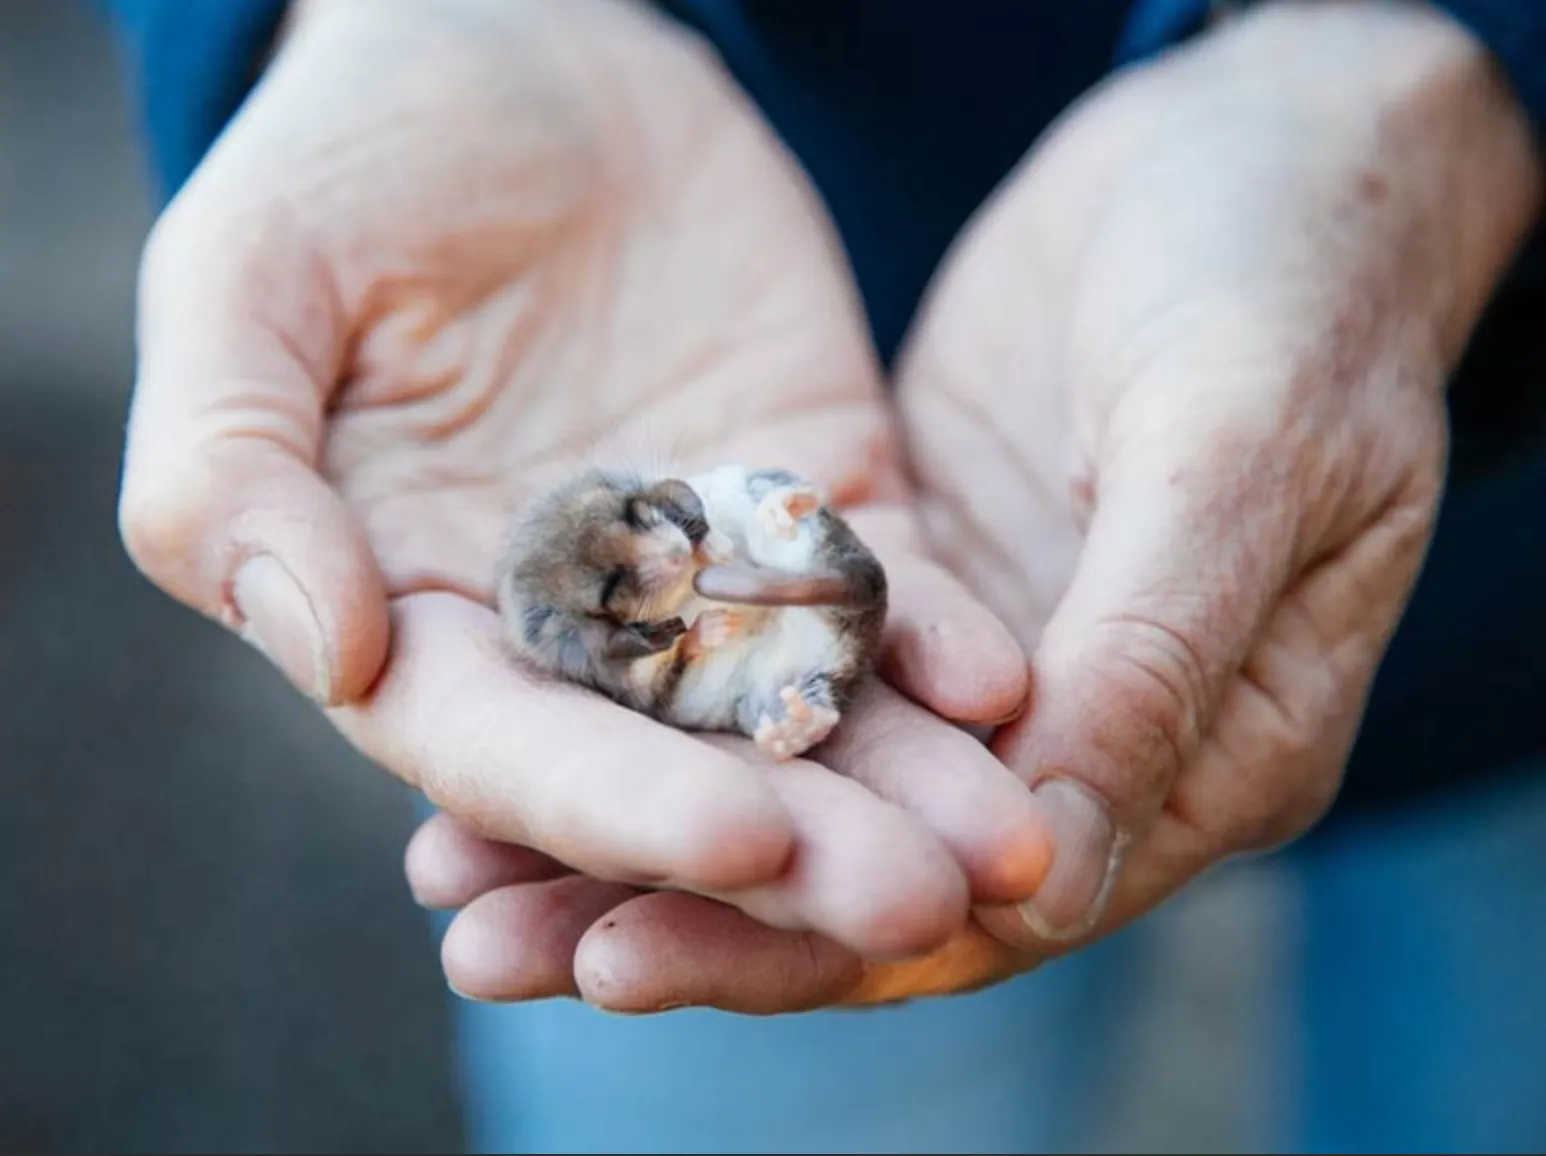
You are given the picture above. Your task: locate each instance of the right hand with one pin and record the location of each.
(1177, 410)
(444, 251)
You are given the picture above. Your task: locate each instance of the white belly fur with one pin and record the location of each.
(786, 643)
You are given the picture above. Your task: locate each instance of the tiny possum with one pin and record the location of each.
(733, 600)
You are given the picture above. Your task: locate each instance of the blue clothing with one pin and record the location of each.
(1410, 981)
(192, 63)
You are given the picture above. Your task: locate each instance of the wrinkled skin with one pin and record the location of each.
(448, 250)
(1175, 408)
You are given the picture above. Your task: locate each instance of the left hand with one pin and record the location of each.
(1178, 407)
(440, 258)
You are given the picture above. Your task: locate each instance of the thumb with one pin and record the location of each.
(1185, 556)
(240, 340)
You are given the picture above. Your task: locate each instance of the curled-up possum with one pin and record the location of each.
(734, 600)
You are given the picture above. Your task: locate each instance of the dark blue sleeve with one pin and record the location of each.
(191, 64)
(1514, 31)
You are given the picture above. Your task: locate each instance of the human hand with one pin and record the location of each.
(1176, 406)
(443, 252)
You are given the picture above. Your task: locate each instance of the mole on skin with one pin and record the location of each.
(733, 600)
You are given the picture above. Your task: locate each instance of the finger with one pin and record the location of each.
(449, 866)
(518, 943)
(668, 950)
(221, 504)
(1186, 552)
(864, 872)
(953, 784)
(943, 647)
(1285, 728)
(528, 760)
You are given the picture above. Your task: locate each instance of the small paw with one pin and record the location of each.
(715, 628)
(802, 727)
(782, 510)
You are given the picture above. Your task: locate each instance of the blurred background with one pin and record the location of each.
(206, 943)
(205, 939)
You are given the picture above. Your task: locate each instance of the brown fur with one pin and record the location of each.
(574, 589)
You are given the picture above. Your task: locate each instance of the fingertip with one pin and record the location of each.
(943, 647)
(359, 623)
(422, 859)
(670, 950)
(518, 943)
(338, 572)
(865, 872)
(911, 928)
(735, 832)
(954, 656)
(622, 967)
(326, 631)
(1086, 852)
(1013, 862)
(923, 903)
(952, 784)
(448, 866)
(479, 959)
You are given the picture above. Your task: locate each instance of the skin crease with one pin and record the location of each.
(445, 252)
(1175, 410)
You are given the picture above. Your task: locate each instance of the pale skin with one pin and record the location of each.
(1210, 319)
(364, 336)
(1175, 407)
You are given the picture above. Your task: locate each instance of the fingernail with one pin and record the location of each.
(983, 732)
(1086, 852)
(633, 1013)
(1012, 715)
(276, 617)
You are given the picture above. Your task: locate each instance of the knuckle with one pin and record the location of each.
(1280, 809)
(1158, 677)
(240, 256)
(164, 245)
(155, 523)
(1304, 807)
(1298, 772)
(164, 519)
(1259, 829)
(179, 240)
(1249, 829)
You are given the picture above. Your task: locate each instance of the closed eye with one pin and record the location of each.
(609, 586)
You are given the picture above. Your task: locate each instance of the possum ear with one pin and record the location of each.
(681, 505)
(675, 492)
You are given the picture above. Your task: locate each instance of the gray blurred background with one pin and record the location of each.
(205, 939)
